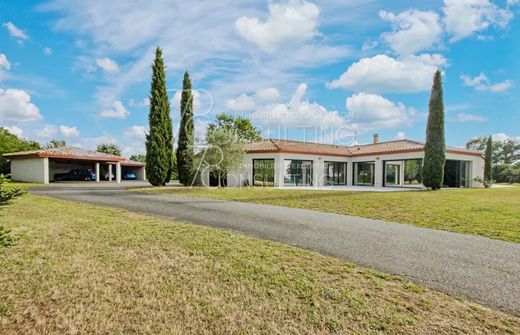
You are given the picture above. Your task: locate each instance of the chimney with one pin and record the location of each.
(376, 138)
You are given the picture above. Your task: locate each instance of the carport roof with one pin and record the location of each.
(67, 153)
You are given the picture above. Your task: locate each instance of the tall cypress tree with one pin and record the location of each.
(435, 147)
(488, 171)
(159, 141)
(185, 168)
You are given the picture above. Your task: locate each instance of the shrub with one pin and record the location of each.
(7, 194)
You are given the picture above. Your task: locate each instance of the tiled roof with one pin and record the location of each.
(128, 162)
(67, 152)
(382, 148)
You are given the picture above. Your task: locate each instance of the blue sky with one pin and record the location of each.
(313, 70)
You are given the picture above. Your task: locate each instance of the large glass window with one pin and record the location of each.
(335, 173)
(464, 173)
(392, 174)
(364, 173)
(298, 173)
(263, 172)
(413, 172)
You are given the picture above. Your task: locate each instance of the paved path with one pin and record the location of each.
(481, 269)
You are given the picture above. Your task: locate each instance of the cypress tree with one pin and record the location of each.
(435, 147)
(159, 140)
(185, 168)
(488, 171)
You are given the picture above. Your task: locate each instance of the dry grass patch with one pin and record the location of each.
(80, 269)
(493, 213)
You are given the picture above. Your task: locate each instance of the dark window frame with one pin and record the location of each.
(254, 174)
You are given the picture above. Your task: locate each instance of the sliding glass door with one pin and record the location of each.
(263, 172)
(364, 173)
(392, 174)
(335, 173)
(298, 173)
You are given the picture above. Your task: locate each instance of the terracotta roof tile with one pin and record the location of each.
(66, 152)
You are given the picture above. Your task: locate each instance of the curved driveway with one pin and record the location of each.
(478, 268)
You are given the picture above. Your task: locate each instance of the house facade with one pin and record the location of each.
(282, 163)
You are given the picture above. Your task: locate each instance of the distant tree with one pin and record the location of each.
(242, 128)
(110, 149)
(185, 149)
(480, 144)
(54, 143)
(159, 141)
(488, 172)
(224, 152)
(435, 147)
(11, 143)
(138, 158)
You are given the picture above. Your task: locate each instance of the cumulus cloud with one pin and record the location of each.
(268, 94)
(372, 111)
(464, 18)
(14, 130)
(16, 105)
(400, 135)
(482, 83)
(118, 111)
(69, 131)
(297, 112)
(242, 103)
(136, 133)
(15, 32)
(465, 117)
(287, 24)
(412, 31)
(4, 66)
(107, 65)
(384, 74)
(47, 131)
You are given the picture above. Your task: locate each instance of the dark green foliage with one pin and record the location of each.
(138, 158)
(435, 147)
(159, 141)
(54, 143)
(504, 152)
(110, 149)
(185, 154)
(242, 128)
(7, 194)
(488, 171)
(11, 143)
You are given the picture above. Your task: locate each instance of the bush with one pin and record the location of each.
(7, 194)
(6, 239)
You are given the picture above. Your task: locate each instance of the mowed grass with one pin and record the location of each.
(82, 269)
(493, 213)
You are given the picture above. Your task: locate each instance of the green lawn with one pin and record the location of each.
(494, 213)
(82, 269)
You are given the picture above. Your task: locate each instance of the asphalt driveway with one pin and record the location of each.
(478, 268)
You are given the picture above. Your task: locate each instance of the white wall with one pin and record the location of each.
(34, 170)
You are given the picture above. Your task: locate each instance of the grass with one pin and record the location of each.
(494, 213)
(82, 269)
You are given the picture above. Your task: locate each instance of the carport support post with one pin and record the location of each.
(118, 172)
(97, 172)
(109, 172)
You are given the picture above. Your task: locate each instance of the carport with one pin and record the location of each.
(41, 166)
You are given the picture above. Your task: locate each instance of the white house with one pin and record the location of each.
(381, 164)
(41, 166)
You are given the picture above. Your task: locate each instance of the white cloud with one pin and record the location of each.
(118, 111)
(464, 117)
(145, 102)
(298, 112)
(482, 83)
(371, 111)
(512, 2)
(268, 94)
(91, 143)
(47, 51)
(16, 105)
(400, 135)
(4, 66)
(412, 31)
(47, 131)
(69, 131)
(463, 18)
(107, 64)
(14, 130)
(242, 103)
(136, 133)
(384, 74)
(15, 32)
(287, 24)
(369, 45)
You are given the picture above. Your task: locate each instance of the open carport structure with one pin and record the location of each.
(41, 166)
